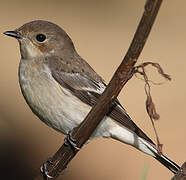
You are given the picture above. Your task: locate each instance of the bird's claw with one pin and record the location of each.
(70, 140)
(45, 172)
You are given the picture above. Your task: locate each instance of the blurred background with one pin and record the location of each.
(101, 31)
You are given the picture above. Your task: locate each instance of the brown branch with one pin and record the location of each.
(124, 72)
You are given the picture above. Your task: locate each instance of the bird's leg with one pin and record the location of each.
(70, 140)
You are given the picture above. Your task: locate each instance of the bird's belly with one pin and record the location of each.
(55, 105)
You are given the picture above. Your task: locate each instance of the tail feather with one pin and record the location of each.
(172, 166)
(168, 163)
(128, 137)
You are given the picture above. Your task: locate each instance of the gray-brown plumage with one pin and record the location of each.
(60, 87)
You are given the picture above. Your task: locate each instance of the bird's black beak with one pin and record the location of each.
(14, 34)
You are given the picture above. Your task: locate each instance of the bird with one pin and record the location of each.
(60, 88)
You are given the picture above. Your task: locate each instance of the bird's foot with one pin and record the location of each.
(45, 171)
(70, 140)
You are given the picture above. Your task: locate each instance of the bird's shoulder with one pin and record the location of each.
(73, 64)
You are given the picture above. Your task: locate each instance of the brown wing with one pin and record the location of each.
(88, 91)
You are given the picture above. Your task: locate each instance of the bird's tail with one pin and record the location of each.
(168, 163)
(172, 166)
(143, 145)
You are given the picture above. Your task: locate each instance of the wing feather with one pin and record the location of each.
(89, 90)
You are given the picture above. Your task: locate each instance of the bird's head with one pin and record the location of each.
(42, 38)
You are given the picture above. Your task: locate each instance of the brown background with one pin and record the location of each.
(102, 31)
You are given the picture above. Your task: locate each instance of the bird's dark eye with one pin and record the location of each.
(40, 37)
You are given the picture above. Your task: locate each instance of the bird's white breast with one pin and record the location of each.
(52, 103)
(58, 108)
